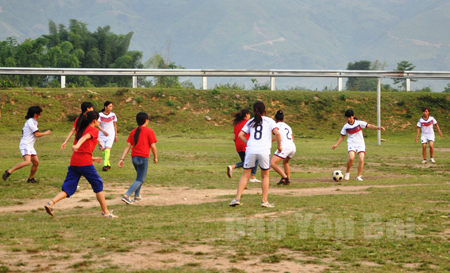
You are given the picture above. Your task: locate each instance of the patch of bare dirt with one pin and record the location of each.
(165, 196)
(158, 256)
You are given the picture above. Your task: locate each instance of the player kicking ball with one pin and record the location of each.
(355, 141)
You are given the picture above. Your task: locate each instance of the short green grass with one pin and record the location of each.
(386, 229)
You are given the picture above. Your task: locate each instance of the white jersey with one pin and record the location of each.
(28, 138)
(354, 132)
(107, 124)
(287, 140)
(260, 141)
(427, 126)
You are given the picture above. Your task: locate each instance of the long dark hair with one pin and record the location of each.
(141, 118)
(259, 109)
(240, 116)
(84, 106)
(105, 104)
(85, 121)
(279, 116)
(33, 110)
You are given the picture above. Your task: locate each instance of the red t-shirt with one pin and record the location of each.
(83, 157)
(75, 123)
(240, 146)
(146, 138)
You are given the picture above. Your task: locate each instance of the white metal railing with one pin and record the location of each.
(205, 73)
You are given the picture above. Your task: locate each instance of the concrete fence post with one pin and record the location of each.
(63, 81)
(205, 83)
(134, 81)
(339, 83)
(272, 83)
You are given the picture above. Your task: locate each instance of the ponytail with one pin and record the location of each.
(259, 109)
(85, 121)
(141, 118)
(84, 107)
(105, 104)
(240, 116)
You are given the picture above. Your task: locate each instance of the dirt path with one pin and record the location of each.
(164, 196)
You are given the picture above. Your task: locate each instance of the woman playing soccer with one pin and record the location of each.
(288, 152)
(108, 132)
(85, 107)
(81, 164)
(259, 144)
(355, 141)
(142, 139)
(30, 132)
(240, 119)
(425, 124)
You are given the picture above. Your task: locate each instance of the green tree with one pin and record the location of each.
(159, 62)
(403, 66)
(447, 89)
(363, 84)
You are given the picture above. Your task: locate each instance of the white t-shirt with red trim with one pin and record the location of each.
(427, 126)
(107, 124)
(354, 132)
(260, 141)
(28, 137)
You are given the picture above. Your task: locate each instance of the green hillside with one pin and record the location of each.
(311, 114)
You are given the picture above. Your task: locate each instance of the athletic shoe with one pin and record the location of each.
(49, 209)
(126, 200)
(347, 176)
(110, 215)
(6, 174)
(105, 168)
(235, 203)
(32, 180)
(109, 167)
(137, 199)
(359, 178)
(267, 205)
(254, 180)
(229, 171)
(284, 181)
(432, 160)
(424, 161)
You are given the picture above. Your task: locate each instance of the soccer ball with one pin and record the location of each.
(337, 175)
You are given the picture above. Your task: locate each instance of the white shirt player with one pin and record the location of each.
(427, 126)
(260, 141)
(28, 138)
(285, 135)
(107, 124)
(354, 132)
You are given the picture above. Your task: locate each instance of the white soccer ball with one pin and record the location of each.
(337, 175)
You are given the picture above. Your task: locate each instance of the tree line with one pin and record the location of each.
(77, 47)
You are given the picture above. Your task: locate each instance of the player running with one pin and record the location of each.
(85, 107)
(259, 145)
(355, 141)
(288, 152)
(81, 164)
(240, 119)
(30, 132)
(425, 124)
(141, 140)
(108, 132)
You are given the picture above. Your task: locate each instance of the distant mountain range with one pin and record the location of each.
(251, 34)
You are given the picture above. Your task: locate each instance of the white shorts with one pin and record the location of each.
(106, 142)
(357, 148)
(425, 138)
(27, 150)
(286, 152)
(263, 160)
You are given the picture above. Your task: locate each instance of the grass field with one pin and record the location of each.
(396, 220)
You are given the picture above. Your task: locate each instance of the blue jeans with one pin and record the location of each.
(140, 165)
(241, 164)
